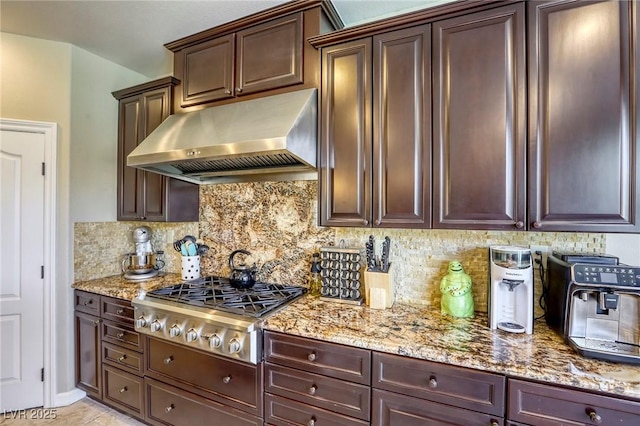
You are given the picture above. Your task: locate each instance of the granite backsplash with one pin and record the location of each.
(277, 222)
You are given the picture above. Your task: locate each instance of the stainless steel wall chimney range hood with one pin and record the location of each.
(271, 138)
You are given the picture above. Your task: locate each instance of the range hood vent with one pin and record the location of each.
(272, 138)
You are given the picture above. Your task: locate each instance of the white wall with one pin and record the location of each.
(625, 246)
(42, 80)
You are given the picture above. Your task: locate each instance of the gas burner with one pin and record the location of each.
(217, 293)
(211, 315)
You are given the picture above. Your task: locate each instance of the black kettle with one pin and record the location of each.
(242, 276)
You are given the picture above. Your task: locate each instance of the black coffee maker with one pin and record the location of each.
(593, 301)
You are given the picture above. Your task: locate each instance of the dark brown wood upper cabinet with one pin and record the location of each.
(479, 120)
(584, 158)
(208, 71)
(146, 196)
(375, 158)
(269, 55)
(402, 128)
(344, 169)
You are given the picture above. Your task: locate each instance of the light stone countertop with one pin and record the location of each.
(424, 333)
(119, 287)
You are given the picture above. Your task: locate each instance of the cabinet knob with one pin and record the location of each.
(365, 222)
(377, 222)
(593, 416)
(494, 423)
(227, 92)
(96, 322)
(168, 360)
(120, 311)
(142, 217)
(238, 89)
(519, 224)
(312, 421)
(312, 357)
(433, 382)
(122, 358)
(313, 389)
(88, 302)
(226, 380)
(537, 225)
(120, 335)
(169, 408)
(123, 390)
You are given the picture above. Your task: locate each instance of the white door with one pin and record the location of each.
(21, 265)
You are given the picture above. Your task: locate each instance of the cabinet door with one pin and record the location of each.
(88, 364)
(208, 71)
(479, 110)
(345, 135)
(584, 146)
(402, 128)
(269, 55)
(130, 180)
(155, 109)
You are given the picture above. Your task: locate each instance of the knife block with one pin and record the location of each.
(379, 289)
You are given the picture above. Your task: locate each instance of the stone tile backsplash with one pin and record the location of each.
(277, 222)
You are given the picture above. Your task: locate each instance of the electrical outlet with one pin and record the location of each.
(545, 251)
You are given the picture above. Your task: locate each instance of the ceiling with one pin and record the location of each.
(132, 33)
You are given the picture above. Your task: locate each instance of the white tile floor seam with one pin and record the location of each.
(81, 413)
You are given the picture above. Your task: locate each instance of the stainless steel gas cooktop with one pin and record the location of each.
(209, 314)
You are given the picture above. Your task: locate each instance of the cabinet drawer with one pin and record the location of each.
(543, 405)
(461, 387)
(329, 359)
(394, 409)
(117, 310)
(86, 302)
(171, 406)
(122, 335)
(235, 383)
(340, 396)
(125, 359)
(124, 391)
(285, 412)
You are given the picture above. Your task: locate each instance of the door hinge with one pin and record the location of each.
(42, 169)
(42, 374)
(42, 272)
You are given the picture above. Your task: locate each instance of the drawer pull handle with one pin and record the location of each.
(313, 389)
(494, 423)
(168, 359)
(433, 382)
(123, 390)
(88, 302)
(593, 416)
(312, 421)
(312, 357)
(96, 322)
(169, 408)
(122, 358)
(120, 311)
(226, 380)
(120, 335)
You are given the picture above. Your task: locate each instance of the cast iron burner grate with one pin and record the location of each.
(217, 293)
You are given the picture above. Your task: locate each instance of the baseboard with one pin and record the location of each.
(68, 398)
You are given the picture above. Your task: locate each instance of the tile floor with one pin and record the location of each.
(84, 412)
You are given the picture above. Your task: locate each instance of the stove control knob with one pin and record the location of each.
(192, 335)
(156, 326)
(215, 341)
(234, 346)
(175, 331)
(141, 322)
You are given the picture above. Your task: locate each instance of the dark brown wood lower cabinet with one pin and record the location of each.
(123, 391)
(167, 405)
(392, 409)
(88, 365)
(546, 405)
(286, 412)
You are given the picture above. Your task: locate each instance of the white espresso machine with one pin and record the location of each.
(511, 289)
